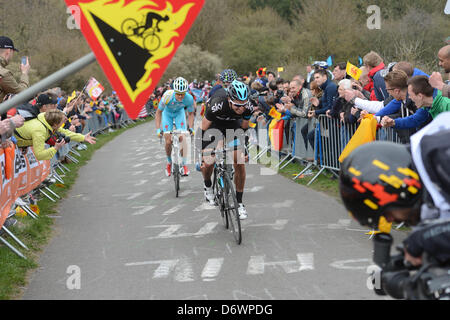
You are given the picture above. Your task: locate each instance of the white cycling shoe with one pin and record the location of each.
(209, 195)
(242, 212)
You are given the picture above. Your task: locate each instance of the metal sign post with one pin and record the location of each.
(46, 83)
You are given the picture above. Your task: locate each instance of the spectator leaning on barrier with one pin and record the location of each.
(329, 93)
(298, 102)
(374, 63)
(7, 82)
(342, 109)
(37, 132)
(43, 103)
(421, 93)
(436, 80)
(340, 72)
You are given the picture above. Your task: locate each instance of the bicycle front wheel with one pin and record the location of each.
(232, 209)
(219, 198)
(152, 42)
(176, 178)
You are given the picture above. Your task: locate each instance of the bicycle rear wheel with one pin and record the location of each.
(232, 209)
(219, 198)
(129, 27)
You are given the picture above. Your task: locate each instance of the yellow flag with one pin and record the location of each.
(353, 71)
(275, 114)
(366, 133)
(72, 96)
(280, 69)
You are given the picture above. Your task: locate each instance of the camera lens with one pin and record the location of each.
(382, 243)
(395, 283)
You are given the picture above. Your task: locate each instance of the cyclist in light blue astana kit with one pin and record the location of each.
(172, 109)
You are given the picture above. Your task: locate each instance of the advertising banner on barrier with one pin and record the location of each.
(24, 175)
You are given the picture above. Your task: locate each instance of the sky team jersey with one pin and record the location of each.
(219, 110)
(170, 104)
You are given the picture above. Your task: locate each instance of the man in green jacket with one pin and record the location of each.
(7, 82)
(440, 104)
(37, 131)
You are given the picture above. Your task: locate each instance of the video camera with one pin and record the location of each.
(401, 280)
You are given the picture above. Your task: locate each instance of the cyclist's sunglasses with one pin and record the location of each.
(239, 105)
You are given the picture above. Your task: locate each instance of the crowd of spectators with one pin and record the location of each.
(397, 94)
(51, 119)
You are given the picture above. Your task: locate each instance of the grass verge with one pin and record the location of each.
(326, 182)
(35, 234)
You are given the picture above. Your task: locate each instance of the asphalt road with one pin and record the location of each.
(122, 234)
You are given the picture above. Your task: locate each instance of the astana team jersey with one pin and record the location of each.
(175, 111)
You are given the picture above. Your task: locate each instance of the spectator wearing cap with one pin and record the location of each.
(374, 63)
(44, 102)
(7, 82)
(436, 80)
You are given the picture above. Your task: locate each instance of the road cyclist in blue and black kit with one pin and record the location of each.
(225, 124)
(172, 110)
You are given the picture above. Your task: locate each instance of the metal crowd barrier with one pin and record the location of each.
(330, 139)
(97, 124)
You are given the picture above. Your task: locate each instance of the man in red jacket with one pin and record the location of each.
(374, 63)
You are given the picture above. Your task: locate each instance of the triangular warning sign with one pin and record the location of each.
(135, 40)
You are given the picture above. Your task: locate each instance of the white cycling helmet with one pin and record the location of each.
(180, 85)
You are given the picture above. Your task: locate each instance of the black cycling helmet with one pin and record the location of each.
(228, 75)
(378, 176)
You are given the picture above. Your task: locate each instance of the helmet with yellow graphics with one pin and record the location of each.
(377, 177)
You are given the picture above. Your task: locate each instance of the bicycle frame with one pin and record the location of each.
(176, 164)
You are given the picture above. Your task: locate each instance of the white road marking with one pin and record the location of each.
(278, 225)
(184, 271)
(160, 195)
(169, 233)
(204, 206)
(140, 183)
(284, 204)
(138, 165)
(137, 173)
(344, 264)
(342, 223)
(212, 269)
(173, 210)
(143, 210)
(254, 189)
(135, 195)
(206, 229)
(305, 261)
(164, 269)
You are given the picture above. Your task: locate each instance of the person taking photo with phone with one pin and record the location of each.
(7, 82)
